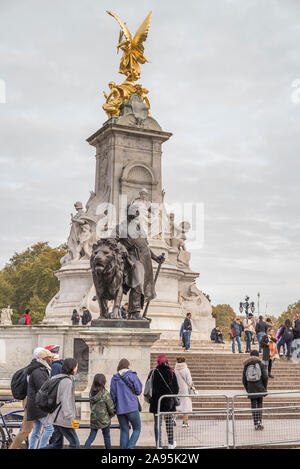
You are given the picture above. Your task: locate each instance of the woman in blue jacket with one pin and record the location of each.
(125, 386)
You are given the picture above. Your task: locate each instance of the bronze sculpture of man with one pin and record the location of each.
(138, 277)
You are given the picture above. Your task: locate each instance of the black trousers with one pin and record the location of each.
(169, 421)
(257, 403)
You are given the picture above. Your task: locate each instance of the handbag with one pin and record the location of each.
(232, 333)
(132, 390)
(175, 398)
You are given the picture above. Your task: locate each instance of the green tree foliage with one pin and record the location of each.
(28, 280)
(292, 310)
(223, 314)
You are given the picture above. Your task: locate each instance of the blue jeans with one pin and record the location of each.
(61, 432)
(288, 346)
(36, 433)
(280, 344)
(187, 339)
(248, 335)
(124, 420)
(93, 434)
(238, 339)
(259, 337)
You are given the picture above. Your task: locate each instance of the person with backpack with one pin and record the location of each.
(185, 384)
(38, 372)
(164, 382)
(125, 386)
(75, 318)
(102, 410)
(25, 319)
(63, 417)
(255, 380)
(19, 383)
(86, 316)
(287, 335)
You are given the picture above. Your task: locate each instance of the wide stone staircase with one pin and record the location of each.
(215, 374)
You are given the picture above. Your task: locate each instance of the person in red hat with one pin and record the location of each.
(57, 363)
(164, 382)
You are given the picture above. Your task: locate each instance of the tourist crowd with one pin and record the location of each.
(47, 388)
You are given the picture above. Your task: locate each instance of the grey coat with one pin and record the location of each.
(66, 412)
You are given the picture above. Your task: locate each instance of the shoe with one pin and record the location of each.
(270, 376)
(184, 425)
(172, 446)
(260, 426)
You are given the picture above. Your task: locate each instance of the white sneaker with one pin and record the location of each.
(172, 446)
(185, 425)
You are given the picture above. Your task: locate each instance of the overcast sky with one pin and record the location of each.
(222, 78)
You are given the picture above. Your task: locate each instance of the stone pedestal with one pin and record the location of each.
(108, 347)
(75, 283)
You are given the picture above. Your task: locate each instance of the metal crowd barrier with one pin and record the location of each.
(207, 427)
(230, 421)
(280, 420)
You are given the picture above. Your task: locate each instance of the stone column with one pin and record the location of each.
(108, 346)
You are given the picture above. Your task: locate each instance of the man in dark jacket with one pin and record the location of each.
(255, 380)
(238, 328)
(187, 331)
(164, 382)
(57, 363)
(296, 327)
(261, 330)
(39, 372)
(86, 316)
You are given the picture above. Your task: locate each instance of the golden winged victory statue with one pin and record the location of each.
(133, 56)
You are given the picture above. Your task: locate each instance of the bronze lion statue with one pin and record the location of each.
(107, 264)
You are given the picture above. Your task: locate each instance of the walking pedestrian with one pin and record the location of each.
(255, 381)
(185, 384)
(125, 386)
(261, 330)
(249, 328)
(288, 335)
(280, 341)
(102, 410)
(27, 426)
(164, 382)
(38, 372)
(75, 318)
(187, 331)
(236, 332)
(269, 348)
(64, 416)
(56, 361)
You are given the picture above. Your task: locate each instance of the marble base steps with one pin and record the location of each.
(172, 345)
(220, 371)
(214, 373)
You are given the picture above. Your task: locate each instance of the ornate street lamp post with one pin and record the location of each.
(246, 305)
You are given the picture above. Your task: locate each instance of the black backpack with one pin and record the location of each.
(45, 398)
(288, 335)
(18, 384)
